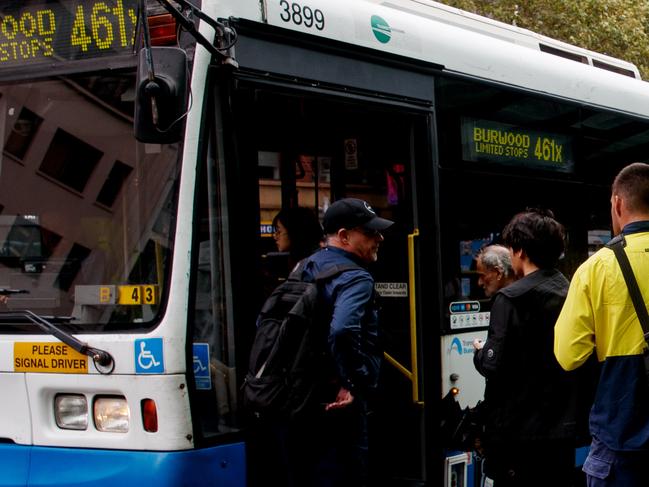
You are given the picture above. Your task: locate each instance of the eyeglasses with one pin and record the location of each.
(369, 232)
(279, 233)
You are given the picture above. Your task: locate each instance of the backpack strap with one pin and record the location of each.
(296, 272)
(328, 273)
(617, 245)
(335, 270)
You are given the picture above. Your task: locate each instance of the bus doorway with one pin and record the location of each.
(310, 151)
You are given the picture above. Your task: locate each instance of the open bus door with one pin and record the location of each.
(310, 150)
(270, 144)
(362, 129)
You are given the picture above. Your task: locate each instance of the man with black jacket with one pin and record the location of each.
(529, 435)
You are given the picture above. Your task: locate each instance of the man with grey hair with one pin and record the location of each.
(494, 267)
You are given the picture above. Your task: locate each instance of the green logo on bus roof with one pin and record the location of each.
(381, 29)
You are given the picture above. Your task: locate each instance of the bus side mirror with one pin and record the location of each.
(161, 104)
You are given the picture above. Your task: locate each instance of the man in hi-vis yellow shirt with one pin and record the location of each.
(599, 316)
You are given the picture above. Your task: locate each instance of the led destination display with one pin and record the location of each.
(53, 32)
(484, 140)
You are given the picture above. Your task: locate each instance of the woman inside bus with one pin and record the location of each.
(529, 437)
(297, 232)
(297, 235)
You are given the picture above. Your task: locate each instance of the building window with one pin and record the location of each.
(72, 266)
(23, 133)
(49, 241)
(70, 160)
(27, 244)
(111, 188)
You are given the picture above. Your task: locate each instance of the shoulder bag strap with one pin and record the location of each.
(617, 245)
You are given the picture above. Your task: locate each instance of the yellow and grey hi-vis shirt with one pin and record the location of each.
(599, 316)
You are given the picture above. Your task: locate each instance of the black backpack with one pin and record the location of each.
(290, 346)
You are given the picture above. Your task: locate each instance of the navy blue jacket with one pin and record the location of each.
(354, 330)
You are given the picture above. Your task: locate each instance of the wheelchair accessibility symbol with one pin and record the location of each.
(149, 358)
(199, 368)
(201, 361)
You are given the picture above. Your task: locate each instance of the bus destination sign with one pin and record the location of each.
(54, 32)
(488, 141)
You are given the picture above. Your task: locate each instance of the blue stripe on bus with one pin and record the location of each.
(220, 466)
(14, 464)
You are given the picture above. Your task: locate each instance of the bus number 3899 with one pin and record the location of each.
(302, 15)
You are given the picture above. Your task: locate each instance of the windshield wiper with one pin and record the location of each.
(104, 362)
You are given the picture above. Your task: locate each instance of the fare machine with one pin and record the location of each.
(466, 319)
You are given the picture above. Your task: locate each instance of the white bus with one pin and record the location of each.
(137, 230)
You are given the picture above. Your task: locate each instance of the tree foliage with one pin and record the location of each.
(618, 28)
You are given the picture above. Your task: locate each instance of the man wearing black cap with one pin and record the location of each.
(339, 436)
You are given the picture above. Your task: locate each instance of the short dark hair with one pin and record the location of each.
(632, 183)
(538, 234)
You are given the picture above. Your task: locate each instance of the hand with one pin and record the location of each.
(478, 344)
(343, 399)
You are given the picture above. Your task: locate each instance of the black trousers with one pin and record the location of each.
(531, 464)
(319, 449)
(330, 449)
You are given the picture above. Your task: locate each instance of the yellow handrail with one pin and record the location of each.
(413, 316)
(397, 365)
(412, 375)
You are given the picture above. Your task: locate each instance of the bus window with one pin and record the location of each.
(212, 336)
(91, 235)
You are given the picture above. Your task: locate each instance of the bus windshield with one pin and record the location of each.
(86, 212)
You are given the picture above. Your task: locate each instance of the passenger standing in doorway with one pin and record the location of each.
(298, 232)
(598, 316)
(495, 271)
(494, 268)
(529, 403)
(332, 443)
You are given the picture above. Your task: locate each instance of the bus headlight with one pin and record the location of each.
(71, 411)
(112, 414)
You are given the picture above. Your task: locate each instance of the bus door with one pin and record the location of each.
(310, 147)
(322, 151)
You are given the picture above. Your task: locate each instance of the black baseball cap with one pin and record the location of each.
(350, 213)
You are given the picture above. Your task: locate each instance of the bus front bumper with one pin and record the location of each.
(220, 466)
